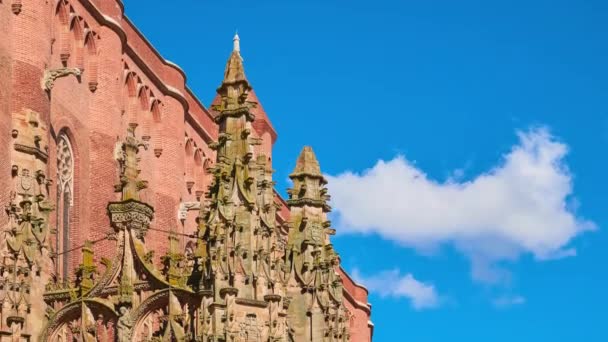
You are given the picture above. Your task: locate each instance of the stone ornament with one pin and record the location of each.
(65, 165)
(50, 75)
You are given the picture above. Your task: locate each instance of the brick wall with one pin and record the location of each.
(5, 95)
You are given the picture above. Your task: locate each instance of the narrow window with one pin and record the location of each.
(65, 190)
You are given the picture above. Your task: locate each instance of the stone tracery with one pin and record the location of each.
(65, 200)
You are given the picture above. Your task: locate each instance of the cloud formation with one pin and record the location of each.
(519, 206)
(393, 284)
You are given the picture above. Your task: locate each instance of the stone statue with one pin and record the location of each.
(124, 325)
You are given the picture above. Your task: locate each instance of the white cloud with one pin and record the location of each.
(508, 301)
(519, 206)
(393, 284)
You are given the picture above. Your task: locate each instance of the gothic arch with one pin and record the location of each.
(189, 161)
(156, 111)
(131, 82)
(88, 316)
(144, 98)
(198, 158)
(170, 303)
(63, 12)
(157, 117)
(77, 28)
(200, 172)
(132, 85)
(90, 45)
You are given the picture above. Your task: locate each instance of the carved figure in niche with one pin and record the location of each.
(232, 329)
(124, 325)
(88, 327)
(100, 329)
(278, 331)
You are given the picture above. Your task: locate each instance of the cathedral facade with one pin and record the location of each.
(135, 213)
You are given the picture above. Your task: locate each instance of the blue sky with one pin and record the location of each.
(474, 132)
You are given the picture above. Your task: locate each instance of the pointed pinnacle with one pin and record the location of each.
(307, 163)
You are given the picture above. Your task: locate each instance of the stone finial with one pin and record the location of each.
(86, 270)
(130, 184)
(236, 43)
(172, 261)
(130, 213)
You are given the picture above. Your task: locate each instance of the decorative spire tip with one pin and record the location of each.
(236, 43)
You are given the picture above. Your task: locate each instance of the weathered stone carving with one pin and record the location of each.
(184, 207)
(50, 75)
(65, 165)
(316, 287)
(124, 325)
(24, 253)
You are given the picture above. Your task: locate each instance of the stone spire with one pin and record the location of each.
(315, 287)
(308, 182)
(232, 204)
(235, 87)
(307, 164)
(236, 92)
(236, 250)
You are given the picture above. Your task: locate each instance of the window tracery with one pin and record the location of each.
(65, 165)
(65, 200)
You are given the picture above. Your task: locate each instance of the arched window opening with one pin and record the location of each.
(65, 201)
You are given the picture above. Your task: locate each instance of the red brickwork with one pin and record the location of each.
(6, 88)
(124, 80)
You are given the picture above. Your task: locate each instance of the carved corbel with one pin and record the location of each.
(184, 207)
(50, 75)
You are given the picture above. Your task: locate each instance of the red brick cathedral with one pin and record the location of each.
(135, 213)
